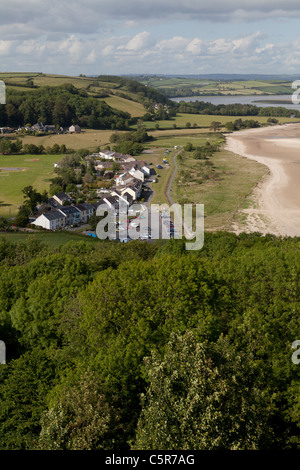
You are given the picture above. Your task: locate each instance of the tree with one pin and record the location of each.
(204, 397)
(81, 419)
(93, 221)
(188, 147)
(33, 197)
(55, 189)
(215, 125)
(22, 217)
(24, 384)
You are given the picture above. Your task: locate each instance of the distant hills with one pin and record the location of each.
(221, 76)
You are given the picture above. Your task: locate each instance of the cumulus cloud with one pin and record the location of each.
(139, 36)
(195, 46)
(140, 41)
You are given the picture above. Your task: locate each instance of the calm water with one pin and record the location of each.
(251, 99)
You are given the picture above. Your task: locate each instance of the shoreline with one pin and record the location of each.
(276, 196)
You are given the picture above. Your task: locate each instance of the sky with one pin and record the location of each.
(118, 37)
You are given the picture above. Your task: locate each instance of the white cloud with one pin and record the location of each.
(195, 46)
(143, 53)
(220, 46)
(140, 41)
(5, 47)
(174, 44)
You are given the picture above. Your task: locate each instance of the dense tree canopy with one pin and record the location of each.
(107, 342)
(61, 106)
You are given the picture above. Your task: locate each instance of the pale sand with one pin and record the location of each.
(277, 197)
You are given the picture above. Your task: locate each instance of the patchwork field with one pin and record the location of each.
(188, 86)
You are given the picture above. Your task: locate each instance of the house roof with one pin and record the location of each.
(53, 215)
(112, 199)
(53, 202)
(69, 210)
(84, 206)
(62, 196)
(97, 204)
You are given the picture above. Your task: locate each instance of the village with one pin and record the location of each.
(129, 185)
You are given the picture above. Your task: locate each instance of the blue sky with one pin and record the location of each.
(150, 36)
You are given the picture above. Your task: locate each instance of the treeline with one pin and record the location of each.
(15, 146)
(61, 106)
(237, 109)
(149, 346)
(239, 124)
(131, 143)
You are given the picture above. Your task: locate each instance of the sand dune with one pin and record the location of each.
(277, 198)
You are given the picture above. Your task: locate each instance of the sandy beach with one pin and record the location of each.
(276, 207)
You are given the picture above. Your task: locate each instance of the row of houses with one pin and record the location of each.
(40, 127)
(57, 216)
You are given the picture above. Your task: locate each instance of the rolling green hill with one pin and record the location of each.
(119, 93)
(116, 94)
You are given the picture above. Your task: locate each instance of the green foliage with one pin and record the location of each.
(130, 142)
(203, 397)
(24, 384)
(61, 106)
(236, 109)
(216, 326)
(32, 198)
(81, 419)
(240, 124)
(22, 217)
(8, 146)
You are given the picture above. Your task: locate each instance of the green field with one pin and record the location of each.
(88, 139)
(204, 121)
(132, 107)
(18, 171)
(48, 238)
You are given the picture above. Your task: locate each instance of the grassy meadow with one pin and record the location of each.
(222, 183)
(122, 104)
(52, 239)
(88, 139)
(204, 121)
(18, 171)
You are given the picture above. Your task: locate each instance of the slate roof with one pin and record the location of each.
(53, 215)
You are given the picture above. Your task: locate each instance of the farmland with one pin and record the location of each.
(184, 86)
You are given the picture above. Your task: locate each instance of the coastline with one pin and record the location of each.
(276, 206)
